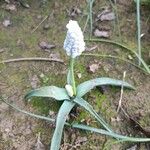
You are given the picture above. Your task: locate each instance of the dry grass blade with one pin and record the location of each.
(121, 94)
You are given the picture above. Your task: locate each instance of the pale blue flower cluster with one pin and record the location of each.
(74, 43)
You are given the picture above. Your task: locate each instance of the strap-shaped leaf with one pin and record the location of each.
(60, 122)
(89, 108)
(85, 87)
(112, 134)
(49, 91)
(82, 126)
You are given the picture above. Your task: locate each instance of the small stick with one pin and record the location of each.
(39, 24)
(31, 59)
(121, 94)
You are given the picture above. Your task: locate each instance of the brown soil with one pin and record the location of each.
(20, 132)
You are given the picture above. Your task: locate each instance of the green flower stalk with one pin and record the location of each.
(72, 75)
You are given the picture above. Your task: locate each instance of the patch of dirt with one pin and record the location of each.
(20, 132)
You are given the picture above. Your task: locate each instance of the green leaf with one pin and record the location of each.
(89, 108)
(81, 126)
(60, 122)
(112, 134)
(49, 91)
(85, 87)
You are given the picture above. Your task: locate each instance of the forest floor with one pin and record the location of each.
(38, 30)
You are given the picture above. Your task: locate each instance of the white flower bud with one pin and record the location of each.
(74, 43)
(69, 90)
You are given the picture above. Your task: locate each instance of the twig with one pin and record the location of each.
(31, 59)
(39, 24)
(121, 94)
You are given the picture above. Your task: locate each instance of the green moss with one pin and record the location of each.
(46, 104)
(83, 115)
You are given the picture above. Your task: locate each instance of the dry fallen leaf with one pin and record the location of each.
(6, 23)
(93, 68)
(106, 15)
(99, 33)
(74, 12)
(45, 45)
(10, 7)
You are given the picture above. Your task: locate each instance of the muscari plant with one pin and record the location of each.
(72, 95)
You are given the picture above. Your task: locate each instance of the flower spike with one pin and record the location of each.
(74, 43)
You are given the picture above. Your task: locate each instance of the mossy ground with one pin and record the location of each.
(18, 41)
